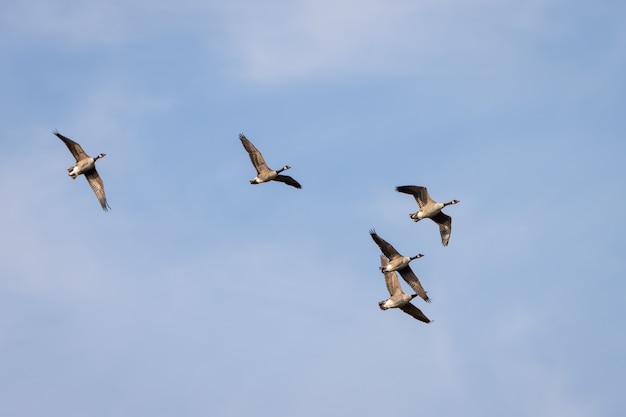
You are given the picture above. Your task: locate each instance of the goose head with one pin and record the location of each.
(285, 168)
(419, 255)
(449, 203)
(102, 155)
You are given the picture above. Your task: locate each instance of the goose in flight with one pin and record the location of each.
(399, 263)
(86, 166)
(398, 299)
(265, 174)
(430, 209)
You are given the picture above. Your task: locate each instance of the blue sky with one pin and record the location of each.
(200, 294)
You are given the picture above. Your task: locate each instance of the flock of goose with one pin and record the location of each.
(391, 261)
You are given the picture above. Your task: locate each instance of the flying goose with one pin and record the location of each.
(399, 263)
(398, 299)
(430, 209)
(86, 165)
(265, 174)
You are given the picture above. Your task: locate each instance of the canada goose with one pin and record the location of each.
(265, 174)
(86, 165)
(398, 299)
(430, 209)
(399, 263)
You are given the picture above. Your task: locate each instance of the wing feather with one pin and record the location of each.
(74, 147)
(255, 156)
(388, 250)
(96, 184)
(391, 278)
(415, 312)
(418, 192)
(409, 276)
(288, 180)
(445, 226)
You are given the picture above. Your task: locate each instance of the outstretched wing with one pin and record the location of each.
(255, 155)
(420, 193)
(288, 180)
(389, 251)
(74, 147)
(391, 278)
(95, 182)
(409, 276)
(445, 226)
(410, 309)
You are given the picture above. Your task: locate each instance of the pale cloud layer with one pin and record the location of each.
(296, 40)
(401, 38)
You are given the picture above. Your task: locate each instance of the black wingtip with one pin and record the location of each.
(406, 189)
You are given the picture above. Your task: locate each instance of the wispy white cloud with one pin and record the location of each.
(83, 25)
(69, 22)
(322, 38)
